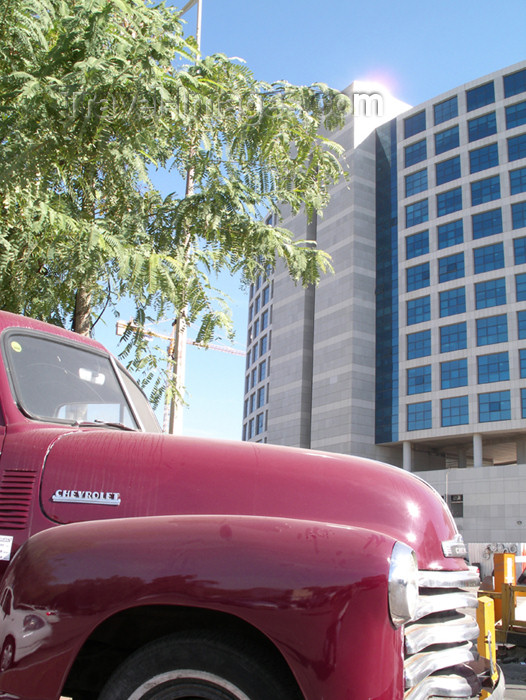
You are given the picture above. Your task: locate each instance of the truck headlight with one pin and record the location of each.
(403, 584)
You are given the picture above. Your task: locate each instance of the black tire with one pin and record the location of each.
(7, 657)
(196, 667)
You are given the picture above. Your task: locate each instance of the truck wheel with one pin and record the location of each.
(196, 667)
(7, 656)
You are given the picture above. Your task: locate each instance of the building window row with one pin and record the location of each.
(454, 336)
(491, 368)
(492, 406)
(485, 259)
(477, 97)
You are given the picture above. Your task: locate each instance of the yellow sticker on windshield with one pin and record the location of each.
(15, 346)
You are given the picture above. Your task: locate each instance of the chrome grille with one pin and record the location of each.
(440, 641)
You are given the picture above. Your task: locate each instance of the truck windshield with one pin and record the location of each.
(59, 381)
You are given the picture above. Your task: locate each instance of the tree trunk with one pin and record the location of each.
(82, 314)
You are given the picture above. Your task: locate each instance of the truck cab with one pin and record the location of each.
(146, 566)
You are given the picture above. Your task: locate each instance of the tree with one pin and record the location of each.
(94, 96)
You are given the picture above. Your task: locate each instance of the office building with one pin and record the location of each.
(414, 351)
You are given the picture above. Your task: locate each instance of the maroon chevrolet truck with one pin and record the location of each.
(141, 566)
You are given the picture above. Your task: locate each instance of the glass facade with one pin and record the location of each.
(452, 301)
(493, 368)
(483, 126)
(517, 147)
(515, 83)
(518, 215)
(417, 244)
(450, 234)
(453, 373)
(454, 411)
(451, 267)
(418, 344)
(493, 329)
(485, 190)
(447, 170)
(418, 310)
(419, 416)
(448, 109)
(417, 276)
(414, 124)
(419, 380)
(480, 96)
(446, 140)
(453, 337)
(489, 257)
(415, 153)
(416, 182)
(490, 293)
(483, 158)
(494, 406)
(516, 115)
(416, 213)
(487, 223)
(449, 201)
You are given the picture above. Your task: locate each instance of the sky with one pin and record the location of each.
(416, 48)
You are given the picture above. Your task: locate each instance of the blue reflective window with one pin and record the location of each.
(454, 373)
(452, 301)
(455, 411)
(453, 337)
(519, 249)
(446, 140)
(448, 109)
(485, 190)
(450, 234)
(490, 293)
(522, 363)
(416, 182)
(493, 329)
(419, 416)
(261, 401)
(515, 83)
(517, 147)
(494, 406)
(493, 368)
(449, 201)
(483, 126)
(417, 276)
(418, 310)
(447, 170)
(518, 181)
(480, 96)
(518, 215)
(487, 223)
(489, 257)
(418, 344)
(264, 319)
(520, 285)
(516, 115)
(415, 153)
(262, 374)
(523, 403)
(414, 124)
(416, 244)
(419, 380)
(416, 213)
(521, 324)
(451, 267)
(483, 158)
(263, 345)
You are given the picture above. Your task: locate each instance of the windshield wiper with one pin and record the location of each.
(97, 423)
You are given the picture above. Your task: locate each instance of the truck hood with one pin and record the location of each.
(99, 474)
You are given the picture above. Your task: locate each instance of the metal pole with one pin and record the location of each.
(177, 350)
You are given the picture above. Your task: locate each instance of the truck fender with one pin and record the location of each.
(310, 588)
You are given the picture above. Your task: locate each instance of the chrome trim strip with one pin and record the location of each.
(441, 686)
(421, 635)
(449, 579)
(428, 604)
(417, 667)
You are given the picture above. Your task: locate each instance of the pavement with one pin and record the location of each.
(512, 661)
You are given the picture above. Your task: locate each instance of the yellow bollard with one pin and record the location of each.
(486, 644)
(504, 572)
